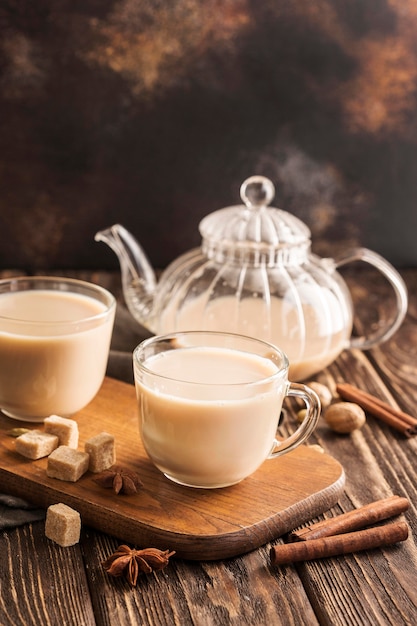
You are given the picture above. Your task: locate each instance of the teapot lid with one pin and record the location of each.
(254, 225)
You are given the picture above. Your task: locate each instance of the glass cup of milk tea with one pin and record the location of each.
(210, 405)
(55, 338)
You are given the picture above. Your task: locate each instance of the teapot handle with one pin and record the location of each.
(385, 331)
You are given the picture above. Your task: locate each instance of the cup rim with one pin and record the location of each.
(170, 337)
(52, 283)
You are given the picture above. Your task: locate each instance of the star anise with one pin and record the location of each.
(130, 562)
(119, 479)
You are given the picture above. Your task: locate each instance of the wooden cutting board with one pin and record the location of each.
(197, 523)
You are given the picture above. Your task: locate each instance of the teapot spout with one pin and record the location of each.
(138, 277)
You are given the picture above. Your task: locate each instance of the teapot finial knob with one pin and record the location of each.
(257, 191)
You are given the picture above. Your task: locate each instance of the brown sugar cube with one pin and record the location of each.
(64, 428)
(63, 525)
(102, 452)
(67, 464)
(35, 444)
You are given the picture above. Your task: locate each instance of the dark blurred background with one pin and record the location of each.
(151, 113)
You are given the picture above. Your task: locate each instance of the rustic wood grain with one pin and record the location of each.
(42, 583)
(371, 588)
(242, 590)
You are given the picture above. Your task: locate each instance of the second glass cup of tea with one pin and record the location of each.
(55, 338)
(210, 403)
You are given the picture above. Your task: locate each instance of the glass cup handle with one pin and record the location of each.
(307, 426)
(386, 330)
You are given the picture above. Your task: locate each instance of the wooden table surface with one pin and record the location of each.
(42, 583)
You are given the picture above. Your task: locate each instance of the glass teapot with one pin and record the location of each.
(254, 274)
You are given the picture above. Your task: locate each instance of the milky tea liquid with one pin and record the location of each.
(217, 427)
(48, 367)
(309, 348)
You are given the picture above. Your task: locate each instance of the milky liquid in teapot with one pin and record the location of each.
(311, 346)
(255, 275)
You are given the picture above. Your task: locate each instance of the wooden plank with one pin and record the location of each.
(242, 591)
(40, 582)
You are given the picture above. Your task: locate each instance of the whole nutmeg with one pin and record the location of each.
(323, 392)
(344, 417)
(301, 415)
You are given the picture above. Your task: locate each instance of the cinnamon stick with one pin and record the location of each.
(353, 520)
(336, 545)
(401, 421)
